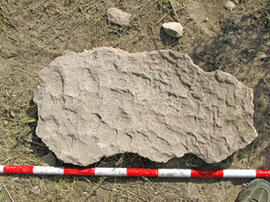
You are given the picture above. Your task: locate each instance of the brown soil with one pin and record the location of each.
(32, 33)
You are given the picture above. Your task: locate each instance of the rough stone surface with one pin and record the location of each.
(173, 29)
(158, 104)
(230, 5)
(118, 17)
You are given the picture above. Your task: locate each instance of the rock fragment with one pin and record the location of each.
(5, 123)
(118, 17)
(158, 104)
(12, 114)
(230, 5)
(173, 29)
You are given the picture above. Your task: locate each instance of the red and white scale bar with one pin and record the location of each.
(136, 172)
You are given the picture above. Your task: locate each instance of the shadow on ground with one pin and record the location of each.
(242, 48)
(262, 119)
(166, 39)
(239, 42)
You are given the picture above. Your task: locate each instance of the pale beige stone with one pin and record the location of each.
(118, 16)
(173, 29)
(158, 104)
(230, 5)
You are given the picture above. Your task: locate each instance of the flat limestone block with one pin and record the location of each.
(158, 104)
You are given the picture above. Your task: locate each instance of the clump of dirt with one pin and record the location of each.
(32, 33)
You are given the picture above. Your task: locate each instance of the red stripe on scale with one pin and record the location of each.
(262, 173)
(207, 173)
(18, 169)
(136, 172)
(142, 172)
(79, 171)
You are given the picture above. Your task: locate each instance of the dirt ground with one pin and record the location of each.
(33, 33)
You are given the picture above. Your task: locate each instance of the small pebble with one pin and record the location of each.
(118, 16)
(5, 123)
(230, 5)
(173, 29)
(205, 20)
(12, 114)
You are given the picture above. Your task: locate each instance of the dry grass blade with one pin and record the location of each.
(250, 154)
(172, 3)
(154, 37)
(128, 192)
(5, 18)
(3, 163)
(34, 143)
(146, 5)
(96, 187)
(10, 197)
(175, 10)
